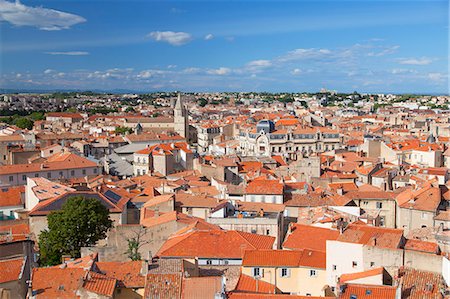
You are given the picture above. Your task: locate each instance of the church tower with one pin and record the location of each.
(180, 121)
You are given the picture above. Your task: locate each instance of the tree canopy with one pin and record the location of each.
(81, 222)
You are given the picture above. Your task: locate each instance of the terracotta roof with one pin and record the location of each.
(64, 114)
(363, 291)
(264, 187)
(424, 199)
(128, 274)
(418, 284)
(358, 275)
(11, 269)
(14, 232)
(239, 295)
(56, 282)
(248, 284)
(309, 237)
(163, 286)
(371, 235)
(423, 246)
(284, 258)
(11, 196)
(215, 244)
(201, 287)
(67, 161)
(99, 283)
(257, 206)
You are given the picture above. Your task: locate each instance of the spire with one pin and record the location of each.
(178, 104)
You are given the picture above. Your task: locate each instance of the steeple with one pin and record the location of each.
(180, 118)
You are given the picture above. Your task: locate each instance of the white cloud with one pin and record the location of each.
(437, 77)
(260, 63)
(296, 72)
(310, 53)
(145, 74)
(171, 66)
(173, 38)
(42, 18)
(49, 71)
(209, 36)
(69, 53)
(191, 70)
(385, 51)
(416, 61)
(220, 71)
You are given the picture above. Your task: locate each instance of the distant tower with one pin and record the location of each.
(138, 129)
(180, 121)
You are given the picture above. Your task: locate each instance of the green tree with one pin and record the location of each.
(130, 109)
(81, 222)
(123, 130)
(23, 123)
(37, 115)
(202, 102)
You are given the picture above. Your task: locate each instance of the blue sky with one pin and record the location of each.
(368, 46)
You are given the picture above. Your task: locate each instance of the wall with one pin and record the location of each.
(342, 255)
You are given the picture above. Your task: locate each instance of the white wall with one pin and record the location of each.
(342, 255)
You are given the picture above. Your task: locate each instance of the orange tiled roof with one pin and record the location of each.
(420, 284)
(423, 246)
(99, 283)
(128, 274)
(264, 187)
(248, 284)
(56, 282)
(363, 291)
(215, 244)
(201, 287)
(11, 196)
(163, 286)
(60, 162)
(11, 269)
(371, 235)
(353, 276)
(14, 232)
(309, 237)
(284, 258)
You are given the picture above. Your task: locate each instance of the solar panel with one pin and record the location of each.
(112, 196)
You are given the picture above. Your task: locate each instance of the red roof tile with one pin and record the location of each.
(11, 269)
(309, 237)
(215, 244)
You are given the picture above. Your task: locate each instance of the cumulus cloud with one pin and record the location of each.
(43, 18)
(296, 72)
(48, 71)
(416, 61)
(173, 38)
(69, 53)
(209, 36)
(220, 71)
(437, 76)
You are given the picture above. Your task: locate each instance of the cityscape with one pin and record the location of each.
(224, 149)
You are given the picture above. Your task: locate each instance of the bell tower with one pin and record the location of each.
(180, 118)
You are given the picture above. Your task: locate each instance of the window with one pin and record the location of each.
(11, 178)
(285, 272)
(334, 267)
(84, 171)
(333, 289)
(61, 174)
(95, 170)
(24, 177)
(372, 264)
(49, 175)
(379, 205)
(267, 231)
(312, 273)
(209, 262)
(225, 262)
(253, 231)
(353, 296)
(72, 172)
(424, 215)
(256, 272)
(354, 264)
(36, 175)
(308, 294)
